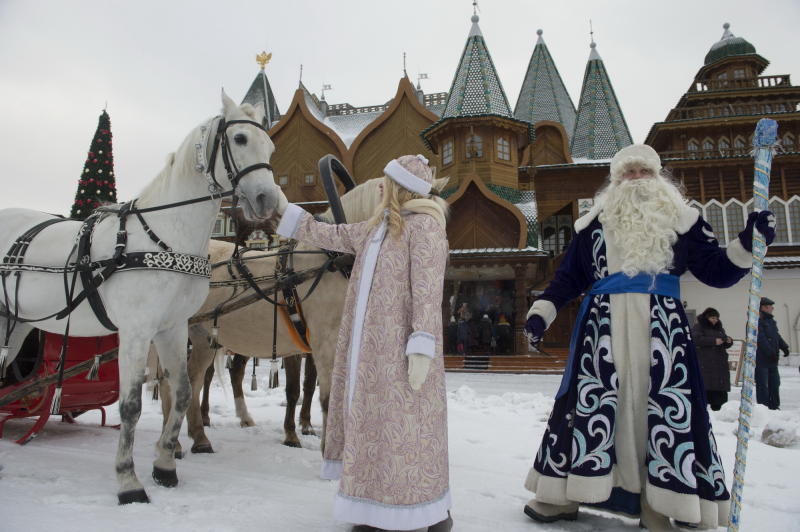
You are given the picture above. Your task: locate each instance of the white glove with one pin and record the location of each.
(418, 367)
(282, 203)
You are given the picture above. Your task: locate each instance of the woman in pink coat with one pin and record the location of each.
(386, 436)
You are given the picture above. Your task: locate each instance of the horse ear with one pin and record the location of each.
(259, 108)
(440, 183)
(228, 105)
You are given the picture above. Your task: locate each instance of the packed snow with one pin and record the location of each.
(64, 479)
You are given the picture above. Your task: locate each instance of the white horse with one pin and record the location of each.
(229, 152)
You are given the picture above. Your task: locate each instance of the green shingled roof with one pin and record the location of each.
(261, 92)
(600, 127)
(476, 88)
(543, 95)
(727, 46)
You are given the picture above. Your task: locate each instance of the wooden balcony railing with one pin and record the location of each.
(733, 109)
(741, 83)
(718, 153)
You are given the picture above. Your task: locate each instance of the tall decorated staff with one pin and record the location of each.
(96, 185)
(764, 142)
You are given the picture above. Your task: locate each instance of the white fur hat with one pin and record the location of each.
(411, 172)
(640, 154)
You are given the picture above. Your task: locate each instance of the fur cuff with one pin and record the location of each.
(290, 220)
(738, 255)
(421, 343)
(545, 309)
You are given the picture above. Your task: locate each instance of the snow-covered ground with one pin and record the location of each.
(64, 479)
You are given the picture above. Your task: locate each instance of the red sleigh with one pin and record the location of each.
(30, 381)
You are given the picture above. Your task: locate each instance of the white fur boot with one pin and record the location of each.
(654, 521)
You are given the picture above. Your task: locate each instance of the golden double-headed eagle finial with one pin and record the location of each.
(263, 58)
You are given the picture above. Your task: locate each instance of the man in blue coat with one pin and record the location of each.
(629, 431)
(768, 381)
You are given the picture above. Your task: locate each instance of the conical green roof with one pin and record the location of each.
(476, 88)
(600, 128)
(543, 95)
(727, 46)
(261, 92)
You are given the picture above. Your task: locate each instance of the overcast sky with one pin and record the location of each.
(160, 65)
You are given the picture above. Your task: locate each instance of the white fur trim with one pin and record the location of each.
(331, 470)
(290, 220)
(422, 343)
(364, 288)
(391, 516)
(545, 309)
(686, 507)
(738, 255)
(397, 173)
(584, 221)
(686, 219)
(639, 154)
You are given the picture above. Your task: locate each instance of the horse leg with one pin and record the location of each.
(164, 392)
(292, 366)
(132, 359)
(202, 357)
(209, 376)
(171, 346)
(309, 386)
(236, 371)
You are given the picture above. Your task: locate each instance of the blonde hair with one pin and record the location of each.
(394, 196)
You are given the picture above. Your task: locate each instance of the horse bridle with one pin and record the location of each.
(222, 144)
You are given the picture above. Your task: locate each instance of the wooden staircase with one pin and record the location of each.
(551, 362)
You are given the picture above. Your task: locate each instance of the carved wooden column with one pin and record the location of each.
(521, 283)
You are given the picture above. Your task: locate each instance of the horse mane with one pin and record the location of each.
(181, 163)
(359, 204)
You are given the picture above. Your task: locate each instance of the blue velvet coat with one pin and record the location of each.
(681, 452)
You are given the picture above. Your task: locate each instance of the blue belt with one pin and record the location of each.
(617, 283)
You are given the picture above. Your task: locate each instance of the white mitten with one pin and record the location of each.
(282, 203)
(418, 366)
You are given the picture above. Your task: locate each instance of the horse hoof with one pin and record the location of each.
(309, 432)
(203, 448)
(292, 444)
(128, 497)
(206, 422)
(179, 455)
(165, 477)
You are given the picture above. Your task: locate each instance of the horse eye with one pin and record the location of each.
(240, 139)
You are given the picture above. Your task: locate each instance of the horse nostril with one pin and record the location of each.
(262, 204)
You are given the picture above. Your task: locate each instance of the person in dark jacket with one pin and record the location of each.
(711, 341)
(768, 380)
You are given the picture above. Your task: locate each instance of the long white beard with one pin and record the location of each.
(641, 216)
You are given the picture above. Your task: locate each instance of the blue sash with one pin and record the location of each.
(617, 283)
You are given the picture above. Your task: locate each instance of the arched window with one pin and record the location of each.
(781, 227)
(734, 217)
(708, 144)
(714, 218)
(474, 146)
(693, 145)
(739, 142)
(794, 219)
(724, 146)
(503, 149)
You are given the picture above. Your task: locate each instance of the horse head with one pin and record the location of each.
(242, 158)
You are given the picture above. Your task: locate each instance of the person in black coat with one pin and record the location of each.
(711, 342)
(768, 380)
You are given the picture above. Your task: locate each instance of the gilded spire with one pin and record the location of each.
(263, 58)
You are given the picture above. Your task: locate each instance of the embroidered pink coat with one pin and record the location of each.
(386, 442)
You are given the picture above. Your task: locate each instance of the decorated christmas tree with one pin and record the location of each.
(96, 185)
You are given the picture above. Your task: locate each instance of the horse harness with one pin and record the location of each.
(165, 260)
